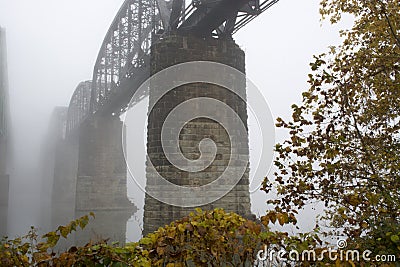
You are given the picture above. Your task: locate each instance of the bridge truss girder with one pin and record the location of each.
(123, 58)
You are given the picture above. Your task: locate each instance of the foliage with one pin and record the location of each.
(344, 142)
(213, 238)
(27, 251)
(204, 238)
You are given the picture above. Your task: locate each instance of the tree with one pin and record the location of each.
(344, 141)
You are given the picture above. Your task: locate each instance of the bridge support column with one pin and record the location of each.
(63, 188)
(4, 186)
(101, 181)
(168, 52)
(4, 189)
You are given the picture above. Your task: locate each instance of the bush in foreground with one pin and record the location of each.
(204, 238)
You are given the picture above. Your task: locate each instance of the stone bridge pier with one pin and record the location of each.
(90, 175)
(101, 185)
(170, 51)
(4, 189)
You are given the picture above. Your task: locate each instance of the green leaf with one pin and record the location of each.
(395, 238)
(145, 241)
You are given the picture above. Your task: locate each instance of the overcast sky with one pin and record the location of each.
(53, 44)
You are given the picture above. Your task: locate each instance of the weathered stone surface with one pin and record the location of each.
(50, 155)
(64, 185)
(174, 50)
(101, 180)
(90, 176)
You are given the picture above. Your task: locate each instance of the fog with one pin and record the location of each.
(52, 46)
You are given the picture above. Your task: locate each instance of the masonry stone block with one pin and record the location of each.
(101, 185)
(168, 52)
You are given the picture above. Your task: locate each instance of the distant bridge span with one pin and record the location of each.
(123, 60)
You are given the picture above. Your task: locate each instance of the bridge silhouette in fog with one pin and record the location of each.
(145, 37)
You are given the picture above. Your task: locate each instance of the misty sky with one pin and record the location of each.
(53, 44)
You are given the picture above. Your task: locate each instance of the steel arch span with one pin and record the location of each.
(79, 106)
(123, 60)
(124, 50)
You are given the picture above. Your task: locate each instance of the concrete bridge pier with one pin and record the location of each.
(101, 185)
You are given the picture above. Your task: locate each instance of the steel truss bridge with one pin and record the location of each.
(123, 62)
